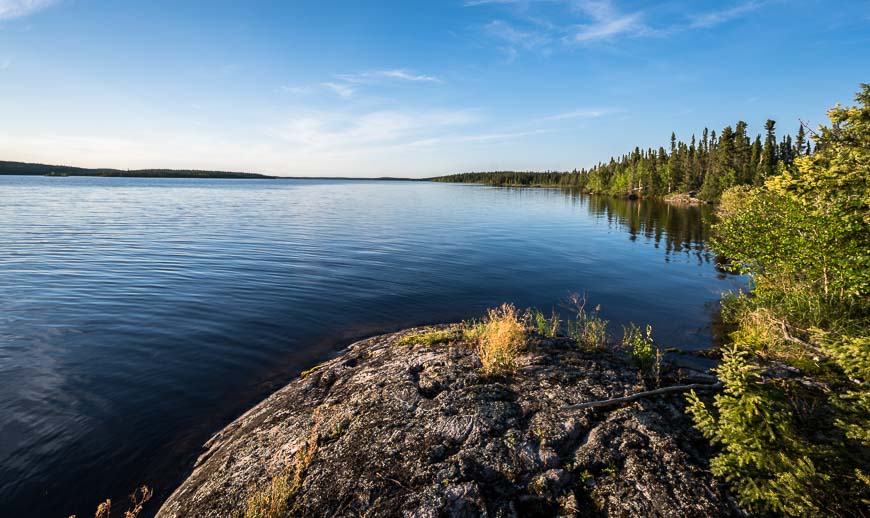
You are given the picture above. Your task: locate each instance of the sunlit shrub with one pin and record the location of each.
(502, 339)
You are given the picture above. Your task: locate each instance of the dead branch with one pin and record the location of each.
(791, 338)
(639, 395)
(807, 126)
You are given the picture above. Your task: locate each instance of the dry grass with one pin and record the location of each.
(272, 502)
(138, 500)
(501, 339)
(276, 500)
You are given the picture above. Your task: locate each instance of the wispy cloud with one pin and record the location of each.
(526, 39)
(586, 22)
(577, 114)
(478, 137)
(340, 89)
(10, 9)
(711, 19)
(474, 3)
(606, 22)
(297, 90)
(339, 131)
(395, 73)
(5, 62)
(347, 85)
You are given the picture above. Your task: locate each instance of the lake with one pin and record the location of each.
(139, 316)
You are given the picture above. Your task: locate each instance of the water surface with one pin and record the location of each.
(138, 316)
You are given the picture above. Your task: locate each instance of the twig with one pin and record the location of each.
(807, 126)
(639, 395)
(788, 336)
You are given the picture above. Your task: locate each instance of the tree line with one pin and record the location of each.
(30, 169)
(707, 166)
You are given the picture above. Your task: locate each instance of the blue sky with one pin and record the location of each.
(409, 88)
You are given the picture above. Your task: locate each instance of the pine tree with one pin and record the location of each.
(800, 141)
(769, 155)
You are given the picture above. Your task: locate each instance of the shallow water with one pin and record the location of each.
(138, 316)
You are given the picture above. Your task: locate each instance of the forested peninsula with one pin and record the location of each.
(705, 167)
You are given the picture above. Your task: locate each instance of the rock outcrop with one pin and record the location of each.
(391, 428)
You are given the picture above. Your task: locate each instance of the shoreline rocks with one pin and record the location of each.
(684, 198)
(396, 428)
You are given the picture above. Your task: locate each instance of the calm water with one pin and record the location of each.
(138, 316)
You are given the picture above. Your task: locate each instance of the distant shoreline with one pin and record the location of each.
(9, 168)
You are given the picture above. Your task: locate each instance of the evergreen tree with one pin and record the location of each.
(769, 154)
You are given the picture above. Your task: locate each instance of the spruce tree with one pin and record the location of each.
(769, 155)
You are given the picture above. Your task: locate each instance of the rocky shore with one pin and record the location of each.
(690, 198)
(392, 427)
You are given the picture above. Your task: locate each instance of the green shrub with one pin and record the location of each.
(548, 327)
(764, 456)
(642, 352)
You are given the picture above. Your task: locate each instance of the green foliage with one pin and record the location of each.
(588, 329)
(545, 326)
(765, 453)
(642, 352)
(799, 444)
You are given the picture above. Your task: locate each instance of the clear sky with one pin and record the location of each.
(408, 88)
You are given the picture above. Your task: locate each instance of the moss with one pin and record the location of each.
(304, 374)
(432, 337)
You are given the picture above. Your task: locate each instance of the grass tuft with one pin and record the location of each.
(501, 339)
(588, 329)
(548, 327)
(642, 352)
(276, 500)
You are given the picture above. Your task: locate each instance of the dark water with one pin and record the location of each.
(138, 316)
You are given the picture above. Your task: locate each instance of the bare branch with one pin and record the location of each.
(808, 128)
(639, 395)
